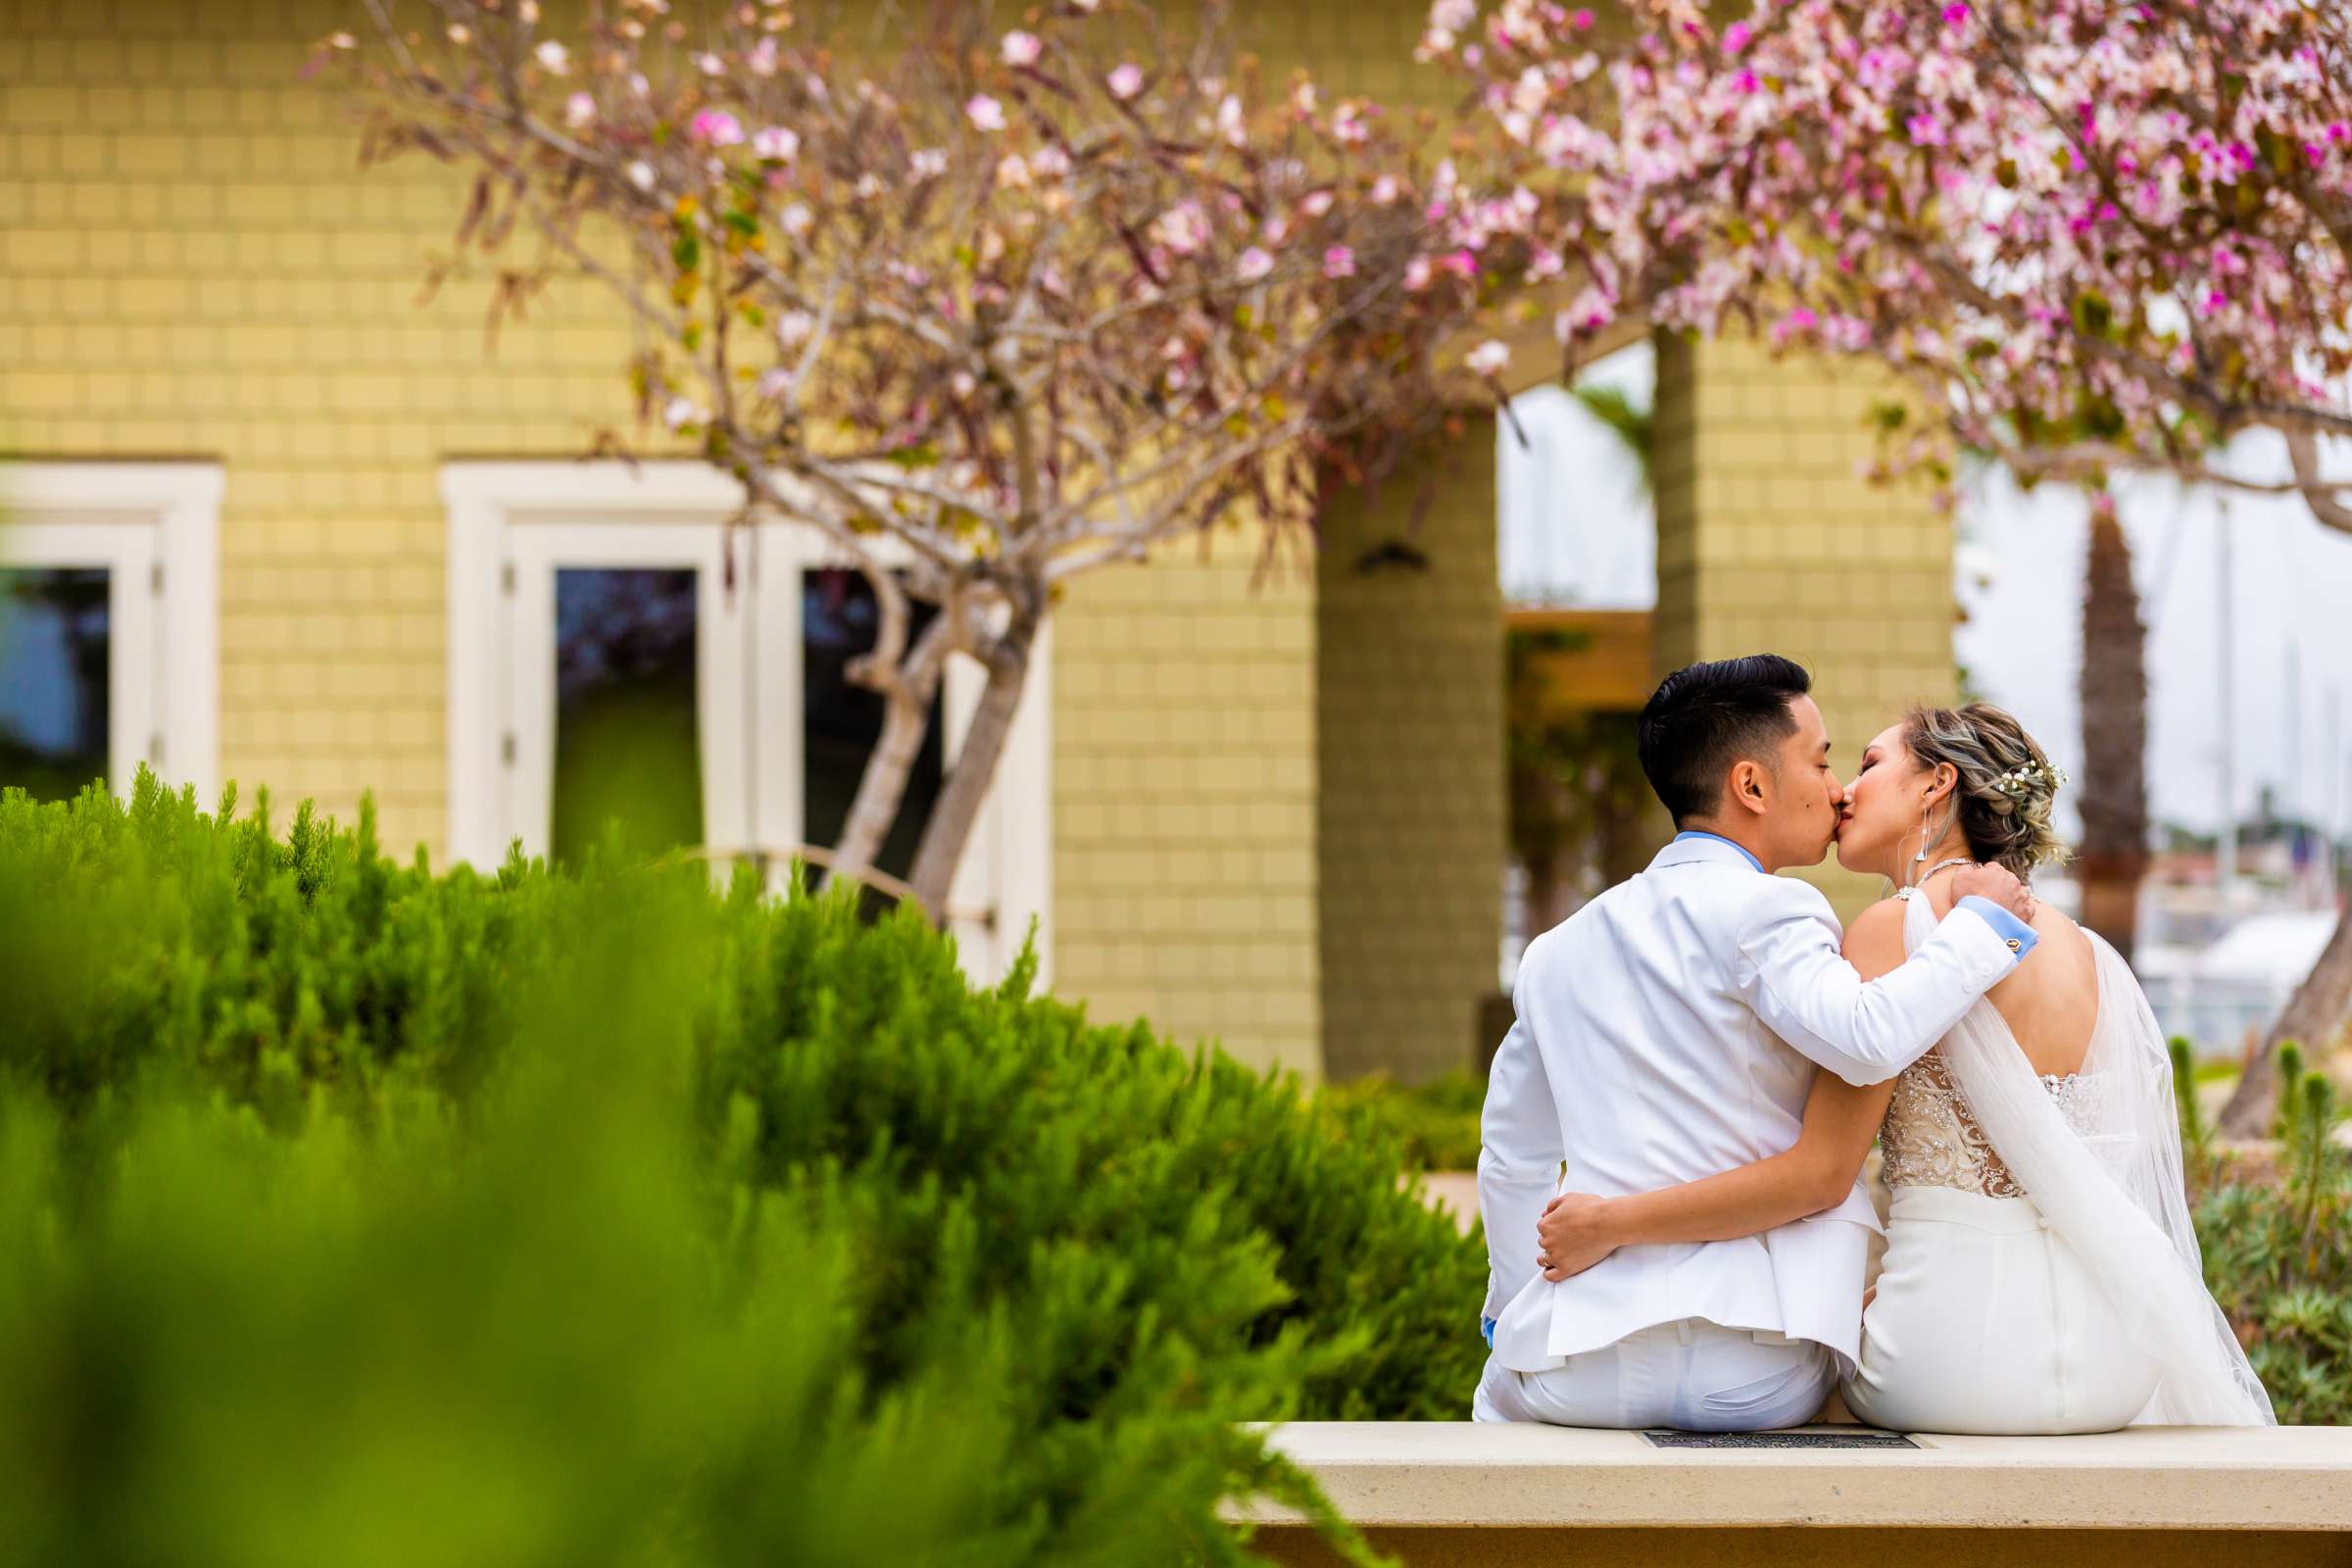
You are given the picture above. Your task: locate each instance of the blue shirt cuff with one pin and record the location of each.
(1486, 1329)
(2020, 936)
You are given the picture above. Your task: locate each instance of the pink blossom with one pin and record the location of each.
(1125, 80)
(1339, 262)
(777, 143)
(1417, 273)
(1316, 203)
(1182, 229)
(553, 57)
(1022, 48)
(1229, 124)
(715, 126)
(984, 112)
(1489, 357)
(578, 109)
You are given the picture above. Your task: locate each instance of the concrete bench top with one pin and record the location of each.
(1449, 1474)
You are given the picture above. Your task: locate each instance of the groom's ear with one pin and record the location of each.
(1751, 786)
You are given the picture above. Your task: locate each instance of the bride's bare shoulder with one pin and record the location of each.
(1874, 939)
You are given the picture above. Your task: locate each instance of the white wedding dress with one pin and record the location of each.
(2040, 1272)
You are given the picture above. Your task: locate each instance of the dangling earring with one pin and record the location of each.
(1910, 877)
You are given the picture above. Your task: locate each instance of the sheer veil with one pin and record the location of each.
(2114, 1192)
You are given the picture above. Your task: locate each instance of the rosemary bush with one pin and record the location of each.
(2278, 1242)
(354, 1213)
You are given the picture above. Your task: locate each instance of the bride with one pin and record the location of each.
(2040, 1274)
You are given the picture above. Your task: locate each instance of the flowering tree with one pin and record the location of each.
(2092, 237)
(1017, 306)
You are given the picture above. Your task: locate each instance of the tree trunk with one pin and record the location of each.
(2115, 737)
(958, 805)
(2319, 1008)
(882, 787)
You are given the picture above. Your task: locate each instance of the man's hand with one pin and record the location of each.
(1997, 882)
(1576, 1232)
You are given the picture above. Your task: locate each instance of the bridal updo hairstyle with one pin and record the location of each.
(2007, 786)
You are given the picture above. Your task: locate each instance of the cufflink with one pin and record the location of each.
(2015, 944)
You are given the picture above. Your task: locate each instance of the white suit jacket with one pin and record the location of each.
(1655, 1046)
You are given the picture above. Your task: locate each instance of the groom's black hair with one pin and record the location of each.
(1704, 717)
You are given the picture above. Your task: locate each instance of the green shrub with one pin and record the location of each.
(2278, 1244)
(663, 1192)
(1436, 1123)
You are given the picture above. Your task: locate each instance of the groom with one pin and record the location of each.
(1669, 1030)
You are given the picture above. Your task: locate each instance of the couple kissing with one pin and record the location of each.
(1676, 1124)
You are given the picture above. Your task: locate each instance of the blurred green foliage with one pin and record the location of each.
(2276, 1230)
(1434, 1123)
(353, 1214)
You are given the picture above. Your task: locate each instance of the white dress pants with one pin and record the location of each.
(1985, 1322)
(1692, 1375)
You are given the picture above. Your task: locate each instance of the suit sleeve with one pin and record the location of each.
(1792, 973)
(1519, 1154)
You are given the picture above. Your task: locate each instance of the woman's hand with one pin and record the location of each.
(1577, 1231)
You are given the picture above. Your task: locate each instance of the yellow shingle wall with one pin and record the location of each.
(1184, 834)
(191, 265)
(1412, 818)
(1768, 542)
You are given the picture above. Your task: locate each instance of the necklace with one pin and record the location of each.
(1939, 865)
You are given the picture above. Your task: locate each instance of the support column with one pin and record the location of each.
(1769, 542)
(1409, 684)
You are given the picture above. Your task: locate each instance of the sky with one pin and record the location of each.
(1575, 529)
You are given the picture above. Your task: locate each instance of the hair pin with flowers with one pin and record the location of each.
(2024, 783)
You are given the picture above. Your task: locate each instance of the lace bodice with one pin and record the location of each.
(1931, 1139)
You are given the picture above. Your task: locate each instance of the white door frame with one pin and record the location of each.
(513, 522)
(156, 528)
(536, 555)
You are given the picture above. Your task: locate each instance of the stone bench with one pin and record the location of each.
(1450, 1495)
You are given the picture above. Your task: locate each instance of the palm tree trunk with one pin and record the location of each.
(2115, 737)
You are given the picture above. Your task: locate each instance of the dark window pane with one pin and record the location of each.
(626, 747)
(839, 619)
(55, 634)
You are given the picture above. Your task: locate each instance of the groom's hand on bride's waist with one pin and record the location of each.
(1576, 1232)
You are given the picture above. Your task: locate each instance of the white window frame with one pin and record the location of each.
(156, 528)
(512, 524)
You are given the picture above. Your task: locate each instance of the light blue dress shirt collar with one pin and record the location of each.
(1697, 833)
